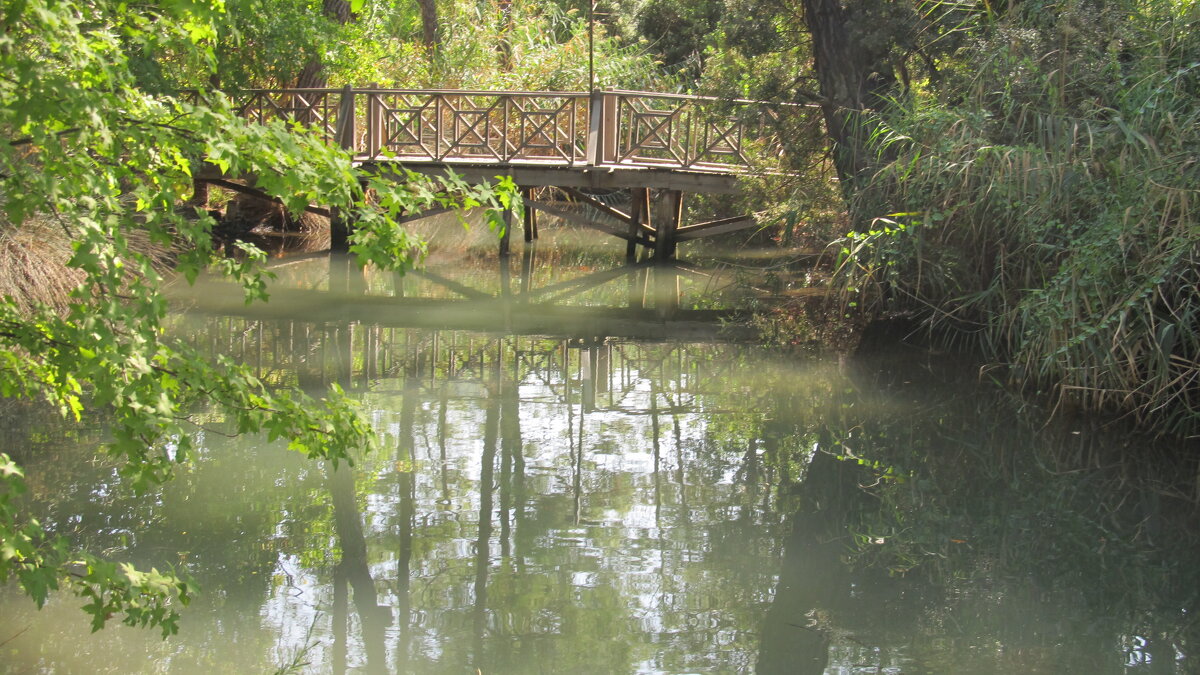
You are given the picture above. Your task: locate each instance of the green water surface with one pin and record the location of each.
(604, 476)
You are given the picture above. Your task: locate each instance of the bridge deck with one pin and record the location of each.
(608, 177)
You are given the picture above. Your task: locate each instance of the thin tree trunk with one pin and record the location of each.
(505, 47)
(429, 23)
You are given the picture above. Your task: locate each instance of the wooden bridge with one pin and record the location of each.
(653, 145)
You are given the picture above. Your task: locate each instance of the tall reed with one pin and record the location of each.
(1045, 206)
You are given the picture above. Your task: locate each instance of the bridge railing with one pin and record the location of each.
(695, 131)
(606, 128)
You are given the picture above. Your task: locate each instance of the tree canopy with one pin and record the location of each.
(99, 153)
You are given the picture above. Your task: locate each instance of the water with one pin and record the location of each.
(621, 483)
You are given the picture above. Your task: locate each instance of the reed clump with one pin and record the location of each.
(1043, 203)
(35, 270)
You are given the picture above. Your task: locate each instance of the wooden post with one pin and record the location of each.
(526, 271)
(666, 292)
(637, 288)
(339, 232)
(339, 227)
(375, 137)
(339, 275)
(587, 376)
(640, 214)
(609, 130)
(530, 220)
(507, 231)
(603, 366)
(199, 194)
(664, 233)
(676, 216)
(595, 138)
(506, 279)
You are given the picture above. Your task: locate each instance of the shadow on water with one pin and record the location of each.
(585, 470)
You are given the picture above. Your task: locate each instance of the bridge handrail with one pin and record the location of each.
(713, 99)
(604, 128)
(409, 92)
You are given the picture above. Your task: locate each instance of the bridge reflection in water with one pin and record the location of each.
(517, 410)
(346, 334)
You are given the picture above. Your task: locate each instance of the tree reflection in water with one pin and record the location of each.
(587, 503)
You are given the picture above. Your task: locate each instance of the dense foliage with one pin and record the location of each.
(1021, 177)
(479, 45)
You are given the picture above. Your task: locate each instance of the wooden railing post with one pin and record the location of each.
(595, 138)
(374, 124)
(602, 129)
(610, 131)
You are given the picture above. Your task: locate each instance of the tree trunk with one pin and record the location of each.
(851, 76)
(312, 75)
(429, 23)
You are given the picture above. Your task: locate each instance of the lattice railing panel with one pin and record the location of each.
(547, 128)
(316, 108)
(694, 132)
(628, 128)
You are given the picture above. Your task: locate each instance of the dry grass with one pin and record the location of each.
(35, 256)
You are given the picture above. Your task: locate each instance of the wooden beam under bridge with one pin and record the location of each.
(580, 219)
(715, 227)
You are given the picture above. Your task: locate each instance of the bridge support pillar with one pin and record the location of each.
(526, 271)
(664, 232)
(666, 292)
(639, 211)
(530, 220)
(339, 232)
(504, 236)
(199, 194)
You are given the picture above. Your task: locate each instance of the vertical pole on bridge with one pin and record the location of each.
(374, 136)
(592, 46)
